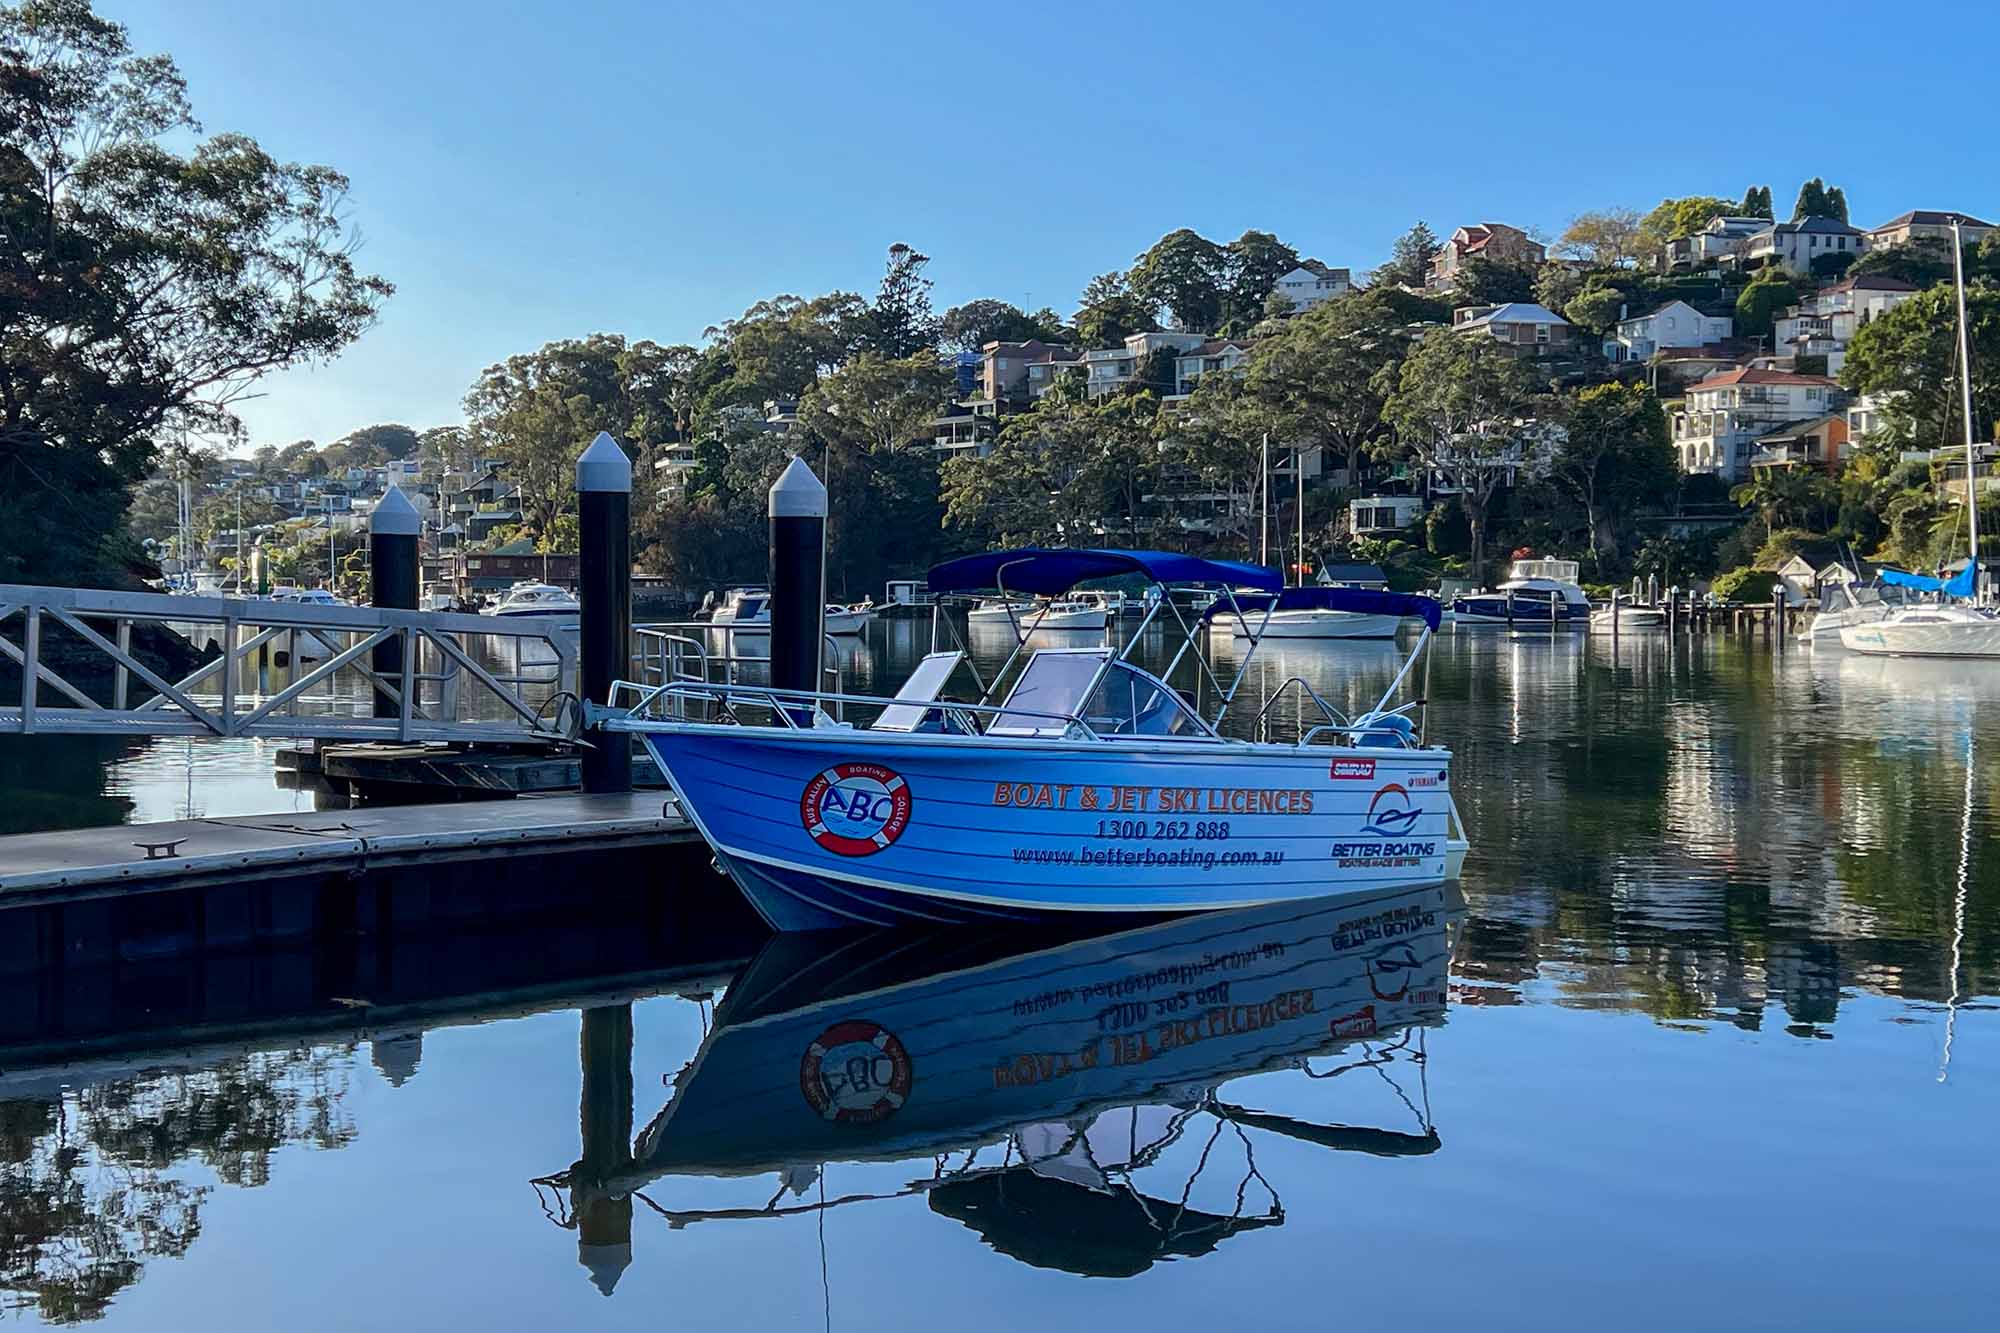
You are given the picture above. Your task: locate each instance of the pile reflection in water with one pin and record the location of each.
(1065, 1100)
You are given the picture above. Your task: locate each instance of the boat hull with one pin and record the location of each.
(1527, 610)
(1824, 631)
(1313, 625)
(1953, 638)
(1630, 618)
(838, 827)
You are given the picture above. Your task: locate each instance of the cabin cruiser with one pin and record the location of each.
(304, 644)
(1628, 618)
(1080, 612)
(1302, 613)
(529, 598)
(749, 609)
(1077, 782)
(1537, 589)
(1841, 607)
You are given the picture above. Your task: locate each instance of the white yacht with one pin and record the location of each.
(1841, 607)
(1631, 619)
(1060, 613)
(1536, 590)
(1959, 628)
(1000, 609)
(535, 599)
(749, 609)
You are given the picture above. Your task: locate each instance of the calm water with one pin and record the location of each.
(1709, 1042)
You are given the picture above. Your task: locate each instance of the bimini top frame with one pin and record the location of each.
(1239, 589)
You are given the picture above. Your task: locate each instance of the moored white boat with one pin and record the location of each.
(1298, 613)
(1537, 590)
(1842, 607)
(1958, 628)
(1927, 630)
(1629, 619)
(529, 598)
(749, 610)
(1090, 786)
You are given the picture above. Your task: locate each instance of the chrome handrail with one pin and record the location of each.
(784, 703)
(1333, 715)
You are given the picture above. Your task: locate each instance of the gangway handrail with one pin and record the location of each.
(425, 692)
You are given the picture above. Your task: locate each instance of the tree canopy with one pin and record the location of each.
(1458, 411)
(1611, 237)
(149, 286)
(1109, 312)
(1410, 261)
(1909, 356)
(971, 326)
(1818, 200)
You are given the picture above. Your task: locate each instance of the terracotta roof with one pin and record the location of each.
(1747, 375)
(1930, 217)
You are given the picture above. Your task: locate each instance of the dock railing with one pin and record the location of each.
(273, 667)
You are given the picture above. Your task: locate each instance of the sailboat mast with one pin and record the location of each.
(1299, 475)
(1965, 393)
(1264, 524)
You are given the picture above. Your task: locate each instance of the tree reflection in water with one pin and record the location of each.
(94, 1180)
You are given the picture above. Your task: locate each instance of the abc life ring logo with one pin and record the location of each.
(1392, 813)
(855, 1073)
(856, 809)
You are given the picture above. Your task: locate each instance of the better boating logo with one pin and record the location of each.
(1392, 813)
(856, 1073)
(856, 809)
(1389, 972)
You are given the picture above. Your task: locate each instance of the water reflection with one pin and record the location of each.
(1064, 1102)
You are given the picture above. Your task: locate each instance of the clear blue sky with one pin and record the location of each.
(532, 171)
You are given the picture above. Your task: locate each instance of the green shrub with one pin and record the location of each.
(1745, 585)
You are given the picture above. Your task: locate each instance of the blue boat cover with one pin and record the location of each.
(1368, 601)
(1051, 572)
(1959, 585)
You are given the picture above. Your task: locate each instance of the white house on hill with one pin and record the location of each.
(1675, 324)
(1306, 287)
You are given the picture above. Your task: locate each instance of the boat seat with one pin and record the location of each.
(919, 692)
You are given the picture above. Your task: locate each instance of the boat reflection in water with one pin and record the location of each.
(1063, 1100)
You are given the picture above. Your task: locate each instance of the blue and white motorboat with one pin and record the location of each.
(1077, 782)
(1536, 591)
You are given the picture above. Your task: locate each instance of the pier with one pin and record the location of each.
(78, 864)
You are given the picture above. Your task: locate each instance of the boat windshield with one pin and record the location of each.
(1055, 681)
(1131, 703)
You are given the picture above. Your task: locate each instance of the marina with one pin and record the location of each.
(1701, 865)
(745, 718)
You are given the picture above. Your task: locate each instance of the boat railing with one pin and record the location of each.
(1346, 732)
(633, 704)
(1262, 723)
(679, 650)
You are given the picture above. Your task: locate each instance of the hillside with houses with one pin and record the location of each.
(1700, 392)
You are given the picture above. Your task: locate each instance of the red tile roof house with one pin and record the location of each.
(1725, 414)
(1487, 240)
